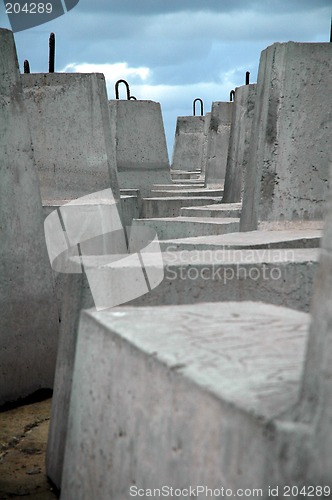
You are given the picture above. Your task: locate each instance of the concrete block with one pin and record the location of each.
(190, 143)
(239, 142)
(315, 407)
(213, 192)
(223, 210)
(287, 174)
(170, 207)
(179, 186)
(28, 312)
(281, 277)
(141, 151)
(218, 143)
(175, 227)
(74, 144)
(181, 175)
(180, 396)
(130, 209)
(252, 240)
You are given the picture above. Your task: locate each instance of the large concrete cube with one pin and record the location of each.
(218, 143)
(180, 396)
(74, 144)
(141, 150)
(287, 174)
(239, 142)
(28, 312)
(190, 143)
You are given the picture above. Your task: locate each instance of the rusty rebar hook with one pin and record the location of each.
(117, 89)
(198, 99)
(51, 61)
(132, 97)
(26, 66)
(232, 95)
(247, 77)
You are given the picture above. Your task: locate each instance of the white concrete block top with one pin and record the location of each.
(249, 355)
(253, 239)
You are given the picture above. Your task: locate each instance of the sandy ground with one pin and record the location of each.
(23, 437)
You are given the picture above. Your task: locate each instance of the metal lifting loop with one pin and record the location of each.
(132, 97)
(117, 89)
(232, 95)
(198, 99)
(247, 77)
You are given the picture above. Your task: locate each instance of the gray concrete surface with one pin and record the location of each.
(74, 144)
(287, 173)
(315, 408)
(28, 311)
(223, 210)
(281, 277)
(192, 184)
(76, 289)
(175, 227)
(170, 207)
(239, 142)
(141, 151)
(178, 175)
(190, 143)
(306, 238)
(218, 143)
(130, 208)
(176, 380)
(213, 192)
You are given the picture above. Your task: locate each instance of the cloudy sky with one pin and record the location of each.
(172, 51)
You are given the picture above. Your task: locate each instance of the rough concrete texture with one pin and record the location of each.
(141, 151)
(130, 209)
(278, 277)
(239, 142)
(170, 207)
(28, 312)
(74, 144)
(315, 408)
(175, 227)
(224, 210)
(180, 396)
(287, 174)
(190, 143)
(178, 175)
(250, 240)
(188, 192)
(218, 143)
(77, 292)
(179, 186)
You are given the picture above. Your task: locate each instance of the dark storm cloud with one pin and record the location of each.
(152, 7)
